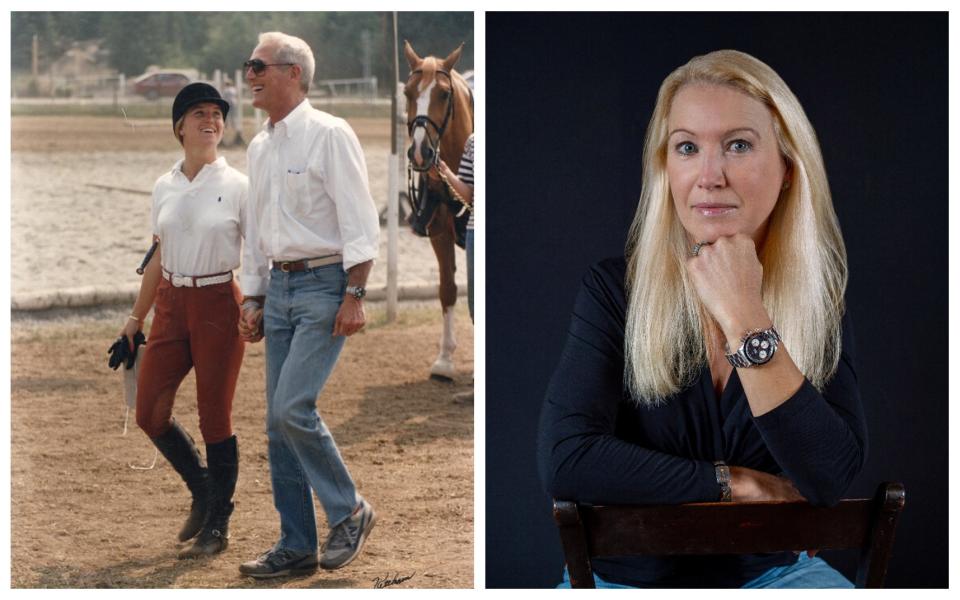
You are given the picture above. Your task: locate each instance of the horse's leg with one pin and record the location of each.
(442, 237)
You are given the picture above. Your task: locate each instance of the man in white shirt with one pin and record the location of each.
(311, 215)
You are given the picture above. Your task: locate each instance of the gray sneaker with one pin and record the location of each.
(280, 563)
(346, 539)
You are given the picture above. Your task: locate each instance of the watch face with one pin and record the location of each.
(759, 348)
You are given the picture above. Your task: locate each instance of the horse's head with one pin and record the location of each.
(434, 94)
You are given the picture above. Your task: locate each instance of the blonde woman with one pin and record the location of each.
(198, 217)
(714, 361)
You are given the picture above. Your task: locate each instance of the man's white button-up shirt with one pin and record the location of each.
(309, 196)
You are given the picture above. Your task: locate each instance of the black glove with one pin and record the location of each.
(120, 351)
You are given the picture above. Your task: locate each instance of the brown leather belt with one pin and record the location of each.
(295, 266)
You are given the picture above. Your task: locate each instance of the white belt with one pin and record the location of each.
(177, 280)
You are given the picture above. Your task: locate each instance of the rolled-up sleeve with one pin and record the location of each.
(347, 183)
(254, 270)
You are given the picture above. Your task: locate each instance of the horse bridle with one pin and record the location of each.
(424, 120)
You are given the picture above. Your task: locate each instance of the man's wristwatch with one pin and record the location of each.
(757, 347)
(723, 480)
(356, 291)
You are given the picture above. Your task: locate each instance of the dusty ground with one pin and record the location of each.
(81, 517)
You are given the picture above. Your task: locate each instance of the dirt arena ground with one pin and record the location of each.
(82, 517)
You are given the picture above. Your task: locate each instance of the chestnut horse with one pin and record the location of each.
(439, 120)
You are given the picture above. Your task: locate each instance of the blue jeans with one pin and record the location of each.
(298, 320)
(470, 271)
(805, 573)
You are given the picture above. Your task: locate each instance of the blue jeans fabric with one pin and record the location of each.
(299, 314)
(805, 573)
(470, 271)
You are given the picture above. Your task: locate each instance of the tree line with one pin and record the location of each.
(343, 42)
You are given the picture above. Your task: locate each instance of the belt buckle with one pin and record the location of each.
(285, 267)
(177, 280)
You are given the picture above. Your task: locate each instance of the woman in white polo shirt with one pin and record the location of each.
(198, 218)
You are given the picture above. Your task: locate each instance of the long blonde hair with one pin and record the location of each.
(803, 257)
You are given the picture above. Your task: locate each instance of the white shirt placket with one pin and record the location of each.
(276, 185)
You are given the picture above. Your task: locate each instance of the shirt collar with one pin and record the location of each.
(291, 122)
(220, 163)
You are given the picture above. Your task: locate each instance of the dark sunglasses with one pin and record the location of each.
(259, 66)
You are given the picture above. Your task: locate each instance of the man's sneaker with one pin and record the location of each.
(346, 539)
(280, 563)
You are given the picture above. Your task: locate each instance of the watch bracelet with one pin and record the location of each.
(723, 480)
(739, 360)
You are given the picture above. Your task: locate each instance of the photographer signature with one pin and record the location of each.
(379, 584)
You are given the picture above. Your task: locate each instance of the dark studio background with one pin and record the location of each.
(568, 100)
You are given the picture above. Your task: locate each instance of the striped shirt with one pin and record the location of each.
(465, 172)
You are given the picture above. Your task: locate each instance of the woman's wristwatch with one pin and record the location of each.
(723, 480)
(757, 347)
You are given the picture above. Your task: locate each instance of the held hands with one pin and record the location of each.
(251, 325)
(728, 277)
(350, 317)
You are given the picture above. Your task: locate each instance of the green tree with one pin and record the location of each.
(135, 40)
(437, 34)
(209, 41)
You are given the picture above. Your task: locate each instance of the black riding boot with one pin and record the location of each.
(223, 460)
(177, 446)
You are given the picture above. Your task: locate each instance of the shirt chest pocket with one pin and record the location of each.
(297, 196)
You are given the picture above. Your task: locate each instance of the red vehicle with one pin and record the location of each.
(160, 83)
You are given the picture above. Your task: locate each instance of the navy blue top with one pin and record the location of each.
(596, 445)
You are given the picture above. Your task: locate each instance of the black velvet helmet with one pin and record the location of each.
(195, 93)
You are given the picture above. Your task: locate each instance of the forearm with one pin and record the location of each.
(601, 468)
(814, 446)
(817, 449)
(465, 191)
(357, 274)
(148, 288)
(770, 385)
(582, 458)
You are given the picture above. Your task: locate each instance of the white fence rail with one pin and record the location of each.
(102, 88)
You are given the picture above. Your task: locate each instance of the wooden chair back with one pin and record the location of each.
(731, 528)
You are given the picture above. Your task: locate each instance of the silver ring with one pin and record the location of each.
(697, 247)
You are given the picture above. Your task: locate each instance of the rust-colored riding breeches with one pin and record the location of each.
(192, 328)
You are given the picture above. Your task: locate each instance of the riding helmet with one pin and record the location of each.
(195, 93)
